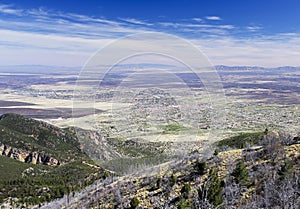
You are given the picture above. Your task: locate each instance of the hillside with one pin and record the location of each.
(261, 172)
(40, 162)
(25, 134)
(249, 170)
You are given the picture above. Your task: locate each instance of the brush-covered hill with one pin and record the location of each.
(20, 135)
(40, 162)
(250, 170)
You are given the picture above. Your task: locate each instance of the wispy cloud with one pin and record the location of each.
(135, 21)
(267, 51)
(199, 28)
(47, 37)
(38, 12)
(8, 9)
(253, 28)
(213, 18)
(67, 24)
(197, 19)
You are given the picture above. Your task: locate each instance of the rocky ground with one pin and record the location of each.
(231, 178)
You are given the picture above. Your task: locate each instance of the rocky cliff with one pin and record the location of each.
(37, 142)
(28, 156)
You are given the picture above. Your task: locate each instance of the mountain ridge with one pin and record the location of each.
(28, 135)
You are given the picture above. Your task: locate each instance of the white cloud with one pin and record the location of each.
(18, 47)
(83, 26)
(197, 19)
(253, 28)
(7, 9)
(199, 28)
(38, 12)
(265, 51)
(135, 21)
(213, 18)
(55, 38)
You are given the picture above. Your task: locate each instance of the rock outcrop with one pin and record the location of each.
(28, 156)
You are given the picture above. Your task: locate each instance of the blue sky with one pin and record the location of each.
(52, 32)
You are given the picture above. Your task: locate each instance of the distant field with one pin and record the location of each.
(38, 113)
(4, 103)
(256, 98)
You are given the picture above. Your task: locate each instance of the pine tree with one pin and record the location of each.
(240, 173)
(215, 189)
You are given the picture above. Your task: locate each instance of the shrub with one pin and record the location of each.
(186, 190)
(240, 173)
(158, 182)
(285, 169)
(173, 180)
(215, 189)
(185, 204)
(240, 140)
(134, 202)
(200, 167)
(216, 152)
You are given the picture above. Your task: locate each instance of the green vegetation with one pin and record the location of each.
(260, 177)
(215, 188)
(127, 165)
(173, 180)
(44, 183)
(240, 141)
(240, 173)
(200, 167)
(32, 184)
(185, 204)
(285, 169)
(136, 148)
(232, 179)
(10, 168)
(27, 134)
(158, 182)
(185, 190)
(210, 192)
(134, 202)
(136, 154)
(172, 128)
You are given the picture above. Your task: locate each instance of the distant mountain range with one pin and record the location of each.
(45, 69)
